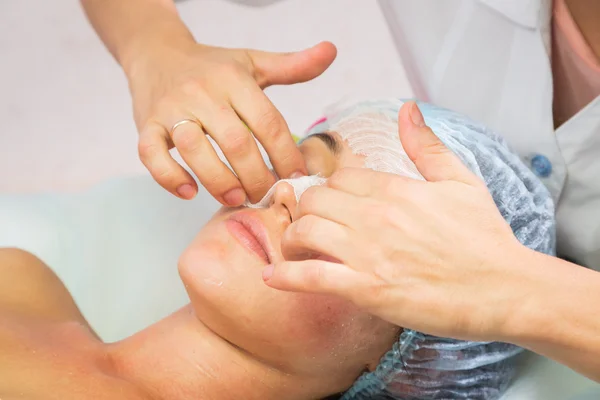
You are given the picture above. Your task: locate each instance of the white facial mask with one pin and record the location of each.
(299, 184)
(371, 130)
(374, 135)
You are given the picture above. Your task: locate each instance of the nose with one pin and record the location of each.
(284, 200)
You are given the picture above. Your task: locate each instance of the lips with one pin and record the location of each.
(251, 233)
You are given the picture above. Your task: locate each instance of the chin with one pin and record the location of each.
(214, 269)
(208, 290)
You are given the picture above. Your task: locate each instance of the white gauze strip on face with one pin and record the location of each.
(369, 132)
(299, 185)
(372, 133)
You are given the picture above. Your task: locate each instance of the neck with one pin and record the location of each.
(179, 358)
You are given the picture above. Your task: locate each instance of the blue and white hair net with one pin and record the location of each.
(421, 366)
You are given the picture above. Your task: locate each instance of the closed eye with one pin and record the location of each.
(329, 140)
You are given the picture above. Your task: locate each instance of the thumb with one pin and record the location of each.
(432, 158)
(289, 68)
(313, 276)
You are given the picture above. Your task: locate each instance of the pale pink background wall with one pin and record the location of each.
(64, 105)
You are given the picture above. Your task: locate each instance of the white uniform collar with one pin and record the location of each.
(522, 12)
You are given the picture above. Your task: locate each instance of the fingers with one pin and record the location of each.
(312, 235)
(315, 276)
(368, 183)
(334, 205)
(271, 130)
(239, 147)
(222, 123)
(221, 105)
(433, 159)
(153, 148)
(197, 152)
(290, 68)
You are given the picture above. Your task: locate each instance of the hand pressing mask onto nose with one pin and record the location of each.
(300, 185)
(184, 93)
(425, 255)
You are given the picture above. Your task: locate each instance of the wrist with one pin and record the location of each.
(544, 300)
(528, 294)
(149, 47)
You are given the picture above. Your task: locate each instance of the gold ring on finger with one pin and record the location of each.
(182, 122)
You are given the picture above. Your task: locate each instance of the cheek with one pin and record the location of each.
(211, 256)
(213, 269)
(319, 321)
(204, 264)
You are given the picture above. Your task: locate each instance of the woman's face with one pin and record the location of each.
(299, 333)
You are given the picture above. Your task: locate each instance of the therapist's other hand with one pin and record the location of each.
(221, 89)
(429, 256)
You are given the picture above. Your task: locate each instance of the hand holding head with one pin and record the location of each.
(437, 246)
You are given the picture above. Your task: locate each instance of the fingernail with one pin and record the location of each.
(416, 116)
(268, 272)
(297, 174)
(186, 191)
(235, 197)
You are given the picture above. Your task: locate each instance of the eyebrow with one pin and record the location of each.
(329, 140)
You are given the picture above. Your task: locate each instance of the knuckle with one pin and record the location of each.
(187, 141)
(287, 157)
(163, 174)
(225, 110)
(270, 124)
(338, 177)
(236, 143)
(231, 69)
(215, 181)
(259, 185)
(304, 228)
(434, 147)
(382, 214)
(381, 268)
(308, 199)
(147, 149)
(377, 297)
(316, 276)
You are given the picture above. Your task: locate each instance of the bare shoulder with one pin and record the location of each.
(56, 360)
(29, 287)
(47, 349)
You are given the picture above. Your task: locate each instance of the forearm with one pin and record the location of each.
(558, 315)
(131, 29)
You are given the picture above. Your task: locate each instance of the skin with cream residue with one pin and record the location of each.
(279, 326)
(209, 281)
(238, 337)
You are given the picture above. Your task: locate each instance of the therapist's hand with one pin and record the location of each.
(431, 256)
(221, 89)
